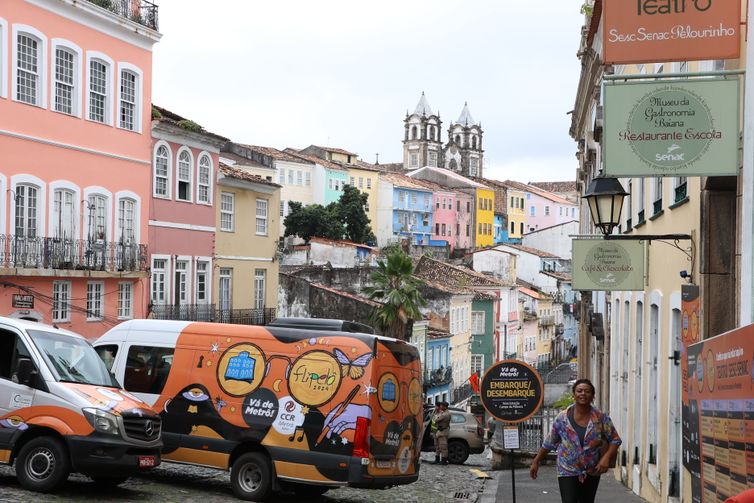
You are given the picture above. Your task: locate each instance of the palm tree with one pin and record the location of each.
(397, 290)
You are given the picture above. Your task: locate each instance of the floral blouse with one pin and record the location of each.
(573, 458)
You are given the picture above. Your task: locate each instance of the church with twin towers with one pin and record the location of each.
(423, 146)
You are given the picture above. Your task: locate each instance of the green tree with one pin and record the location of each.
(398, 292)
(314, 220)
(352, 207)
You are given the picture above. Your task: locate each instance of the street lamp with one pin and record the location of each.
(605, 198)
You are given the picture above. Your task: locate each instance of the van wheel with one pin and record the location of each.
(42, 464)
(309, 491)
(458, 452)
(108, 481)
(251, 477)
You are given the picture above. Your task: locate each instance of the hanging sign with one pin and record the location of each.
(671, 128)
(20, 301)
(645, 31)
(511, 391)
(599, 264)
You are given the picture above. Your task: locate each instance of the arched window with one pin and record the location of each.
(29, 65)
(127, 221)
(458, 140)
(162, 172)
(184, 176)
(432, 132)
(66, 77)
(96, 208)
(513, 227)
(473, 142)
(204, 179)
(27, 211)
(64, 214)
(413, 133)
(99, 91)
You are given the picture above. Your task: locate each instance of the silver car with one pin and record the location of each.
(466, 435)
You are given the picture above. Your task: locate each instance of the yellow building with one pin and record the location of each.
(246, 268)
(485, 217)
(516, 214)
(365, 179)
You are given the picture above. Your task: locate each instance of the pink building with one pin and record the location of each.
(464, 220)
(185, 160)
(75, 94)
(544, 209)
(444, 215)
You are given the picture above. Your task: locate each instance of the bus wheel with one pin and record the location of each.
(251, 477)
(42, 464)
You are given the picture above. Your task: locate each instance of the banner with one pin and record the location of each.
(600, 264)
(646, 31)
(671, 128)
(721, 400)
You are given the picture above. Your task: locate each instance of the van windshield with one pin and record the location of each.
(72, 359)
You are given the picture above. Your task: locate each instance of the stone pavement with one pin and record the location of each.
(545, 488)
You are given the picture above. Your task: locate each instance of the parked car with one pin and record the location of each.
(466, 435)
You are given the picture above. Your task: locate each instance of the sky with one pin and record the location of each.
(343, 73)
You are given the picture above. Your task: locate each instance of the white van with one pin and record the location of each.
(61, 411)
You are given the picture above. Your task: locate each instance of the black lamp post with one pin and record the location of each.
(605, 198)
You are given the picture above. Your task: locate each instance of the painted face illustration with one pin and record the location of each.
(14, 423)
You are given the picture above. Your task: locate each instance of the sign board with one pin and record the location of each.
(512, 391)
(719, 419)
(646, 31)
(671, 128)
(690, 309)
(510, 437)
(600, 264)
(20, 301)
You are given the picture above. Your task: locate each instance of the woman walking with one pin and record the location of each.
(586, 441)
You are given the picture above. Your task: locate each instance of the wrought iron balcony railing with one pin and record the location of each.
(438, 376)
(210, 313)
(72, 254)
(138, 11)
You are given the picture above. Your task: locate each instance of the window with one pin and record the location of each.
(443, 229)
(159, 281)
(204, 179)
(97, 208)
(560, 211)
(458, 229)
(64, 215)
(413, 198)
(477, 322)
(65, 81)
(259, 288)
(127, 115)
(61, 298)
(473, 163)
(125, 301)
(26, 211)
(476, 363)
(437, 229)
(227, 202)
(369, 183)
(547, 210)
(202, 270)
(361, 182)
(108, 353)
(308, 179)
(480, 229)
(414, 160)
(522, 228)
(433, 159)
(95, 300)
(162, 172)
(98, 77)
(29, 69)
(467, 230)
(533, 211)
(147, 369)
(290, 177)
(299, 177)
(181, 280)
(3, 58)
(126, 221)
(353, 181)
(225, 291)
(262, 217)
(282, 208)
(468, 206)
(281, 176)
(401, 196)
(513, 227)
(184, 176)
(438, 203)
(11, 349)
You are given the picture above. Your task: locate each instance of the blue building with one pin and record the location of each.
(411, 209)
(438, 373)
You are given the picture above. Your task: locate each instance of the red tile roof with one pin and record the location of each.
(242, 174)
(280, 155)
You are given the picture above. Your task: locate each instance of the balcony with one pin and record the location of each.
(21, 252)
(546, 321)
(138, 11)
(210, 313)
(437, 377)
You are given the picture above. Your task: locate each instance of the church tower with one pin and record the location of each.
(422, 145)
(463, 152)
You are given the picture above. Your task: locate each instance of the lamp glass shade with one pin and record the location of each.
(605, 198)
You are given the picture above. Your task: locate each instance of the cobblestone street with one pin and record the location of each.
(178, 483)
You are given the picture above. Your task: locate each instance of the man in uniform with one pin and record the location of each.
(440, 426)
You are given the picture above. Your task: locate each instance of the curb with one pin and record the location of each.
(489, 493)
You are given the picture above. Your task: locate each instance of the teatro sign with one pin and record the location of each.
(646, 31)
(671, 128)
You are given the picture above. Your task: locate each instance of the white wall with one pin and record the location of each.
(501, 264)
(384, 227)
(553, 240)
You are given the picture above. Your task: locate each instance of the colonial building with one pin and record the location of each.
(76, 167)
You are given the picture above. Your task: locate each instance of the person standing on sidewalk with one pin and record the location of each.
(586, 441)
(440, 427)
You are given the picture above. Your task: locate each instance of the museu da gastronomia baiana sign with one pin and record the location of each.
(671, 128)
(608, 265)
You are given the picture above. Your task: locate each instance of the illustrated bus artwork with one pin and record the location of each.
(304, 395)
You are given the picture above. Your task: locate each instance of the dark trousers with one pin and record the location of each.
(573, 491)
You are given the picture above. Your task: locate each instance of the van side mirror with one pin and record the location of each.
(25, 372)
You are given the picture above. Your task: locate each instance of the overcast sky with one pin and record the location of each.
(342, 73)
